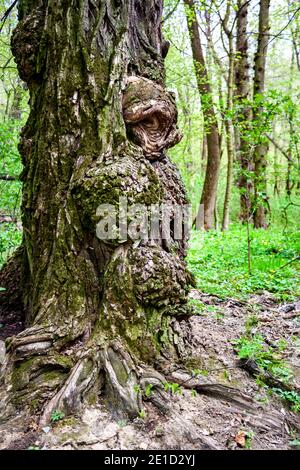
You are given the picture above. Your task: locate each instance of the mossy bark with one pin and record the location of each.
(96, 311)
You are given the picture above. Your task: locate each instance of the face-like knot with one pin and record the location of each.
(150, 115)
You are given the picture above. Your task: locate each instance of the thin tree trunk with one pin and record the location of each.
(15, 111)
(98, 312)
(229, 124)
(276, 165)
(209, 193)
(261, 149)
(242, 95)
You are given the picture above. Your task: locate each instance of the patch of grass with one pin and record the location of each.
(219, 262)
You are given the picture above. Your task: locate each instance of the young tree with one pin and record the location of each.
(261, 149)
(228, 29)
(209, 193)
(244, 112)
(98, 312)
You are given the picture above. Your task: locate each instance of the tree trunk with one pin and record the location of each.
(15, 111)
(261, 149)
(209, 193)
(97, 310)
(244, 117)
(228, 122)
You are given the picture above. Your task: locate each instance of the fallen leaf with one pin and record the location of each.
(240, 438)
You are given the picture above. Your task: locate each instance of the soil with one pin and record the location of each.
(232, 411)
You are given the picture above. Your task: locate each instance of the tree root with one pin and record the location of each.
(268, 378)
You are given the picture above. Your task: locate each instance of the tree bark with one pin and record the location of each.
(209, 193)
(228, 121)
(99, 313)
(244, 117)
(15, 111)
(261, 149)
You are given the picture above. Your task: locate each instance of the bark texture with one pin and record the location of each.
(260, 152)
(242, 96)
(96, 311)
(228, 121)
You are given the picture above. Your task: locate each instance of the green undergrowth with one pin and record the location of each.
(219, 261)
(269, 359)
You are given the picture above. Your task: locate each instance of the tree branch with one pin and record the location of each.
(9, 178)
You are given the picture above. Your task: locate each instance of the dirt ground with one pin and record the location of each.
(233, 412)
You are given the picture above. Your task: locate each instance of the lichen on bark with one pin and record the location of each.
(96, 310)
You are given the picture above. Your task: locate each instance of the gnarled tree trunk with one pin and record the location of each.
(96, 310)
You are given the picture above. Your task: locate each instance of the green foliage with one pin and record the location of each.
(142, 414)
(199, 372)
(249, 435)
(295, 443)
(254, 348)
(293, 398)
(57, 415)
(10, 238)
(219, 262)
(173, 388)
(148, 390)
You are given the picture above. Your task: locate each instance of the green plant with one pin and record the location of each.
(142, 414)
(148, 390)
(294, 443)
(137, 388)
(293, 398)
(173, 388)
(57, 415)
(251, 321)
(249, 435)
(219, 262)
(198, 372)
(122, 423)
(254, 348)
(33, 447)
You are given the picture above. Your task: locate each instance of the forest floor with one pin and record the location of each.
(234, 411)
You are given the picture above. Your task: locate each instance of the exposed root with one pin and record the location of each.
(268, 378)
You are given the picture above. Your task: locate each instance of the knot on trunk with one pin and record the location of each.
(159, 278)
(26, 44)
(150, 115)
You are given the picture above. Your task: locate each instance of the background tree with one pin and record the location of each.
(243, 108)
(261, 149)
(209, 193)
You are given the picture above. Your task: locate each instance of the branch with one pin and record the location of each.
(7, 13)
(9, 178)
(284, 153)
(168, 15)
